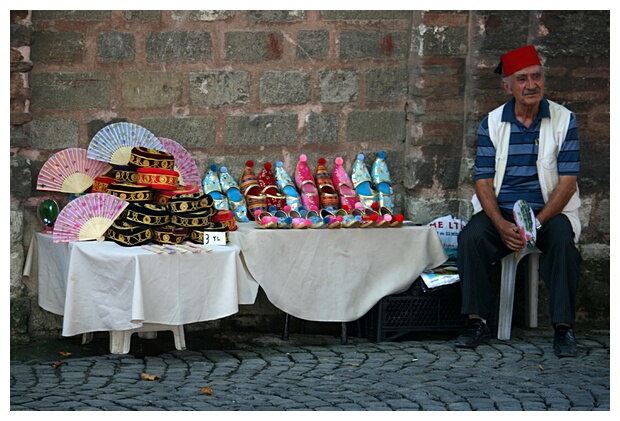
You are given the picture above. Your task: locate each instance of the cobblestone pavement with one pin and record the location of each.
(429, 374)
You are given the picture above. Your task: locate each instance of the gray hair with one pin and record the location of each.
(506, 79)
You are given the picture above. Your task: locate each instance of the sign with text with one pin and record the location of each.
(211, 238)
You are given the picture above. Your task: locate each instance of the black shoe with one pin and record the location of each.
(476, 332)
(564, 344)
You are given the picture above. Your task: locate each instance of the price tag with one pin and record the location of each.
(211, 238)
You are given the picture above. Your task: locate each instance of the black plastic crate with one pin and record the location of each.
(397, 315)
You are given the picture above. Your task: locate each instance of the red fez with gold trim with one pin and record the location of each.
(518, 59)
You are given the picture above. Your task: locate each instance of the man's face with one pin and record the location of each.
(527, 85)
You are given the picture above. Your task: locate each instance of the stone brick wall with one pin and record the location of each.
(271, 85)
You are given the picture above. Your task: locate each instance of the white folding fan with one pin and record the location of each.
(87, 217)
(70, 171)
(113, 143)
(184, 164)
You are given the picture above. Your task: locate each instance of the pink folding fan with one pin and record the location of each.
(70, 171)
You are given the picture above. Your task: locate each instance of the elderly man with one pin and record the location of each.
(528, 150)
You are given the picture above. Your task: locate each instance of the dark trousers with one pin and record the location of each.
(480, 246)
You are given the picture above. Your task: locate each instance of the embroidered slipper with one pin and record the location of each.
(327, 193)
(268, 187)
(211, 186)
(348, 220)
(379, 220)
(333, 220)
(526, 222)
(361, 182)
(305, 184)
(343, 184)
(264, 219)
(235, 198)
(297, 220)
(316, 220)
(287, 188)
(284, 220)
(251, 191)
(365, 220)
(396, 221)
(382, 182)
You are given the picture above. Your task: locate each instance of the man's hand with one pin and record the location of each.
(510, 235)
(507, 230)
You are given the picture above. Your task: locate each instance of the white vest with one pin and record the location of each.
(552, 134)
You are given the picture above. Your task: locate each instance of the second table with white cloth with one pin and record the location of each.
(101, 286)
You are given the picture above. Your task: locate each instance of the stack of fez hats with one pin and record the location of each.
(159, 210)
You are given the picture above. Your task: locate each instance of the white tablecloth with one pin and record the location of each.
(101, 286)
(336, 275)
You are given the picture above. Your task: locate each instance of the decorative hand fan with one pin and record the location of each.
(70, 171)
(184, 164)
(114, 142)
(88, 217)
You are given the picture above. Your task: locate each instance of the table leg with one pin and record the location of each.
(343, 333)
(286, 321)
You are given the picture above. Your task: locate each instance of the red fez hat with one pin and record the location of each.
(518, 59)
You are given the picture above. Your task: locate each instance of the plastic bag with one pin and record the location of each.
(448, 227)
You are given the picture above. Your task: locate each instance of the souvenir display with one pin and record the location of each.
(128, 235)
(101, 183)
(142, 157)
(226, 218)
(163, 196)
(306, 184)
(343, 185)
(136, 189)
(365, 220)
(362, 182)
(170, 234)
(189, 203)
(184, 164)
(88, 217)
(327, 192)
(47, 212)
(147, 214)
(114, 143)
(287, 188)
(131, 192)
(268, 186)
(235, 199)
(251, 191)
(157, 178)
(125, 174)
(382, 182)
(70, 171)
(211, 185)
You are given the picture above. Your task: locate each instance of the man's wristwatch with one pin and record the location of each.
(538, 225)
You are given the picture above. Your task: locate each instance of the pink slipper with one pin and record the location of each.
(348, 196)
(306, 185)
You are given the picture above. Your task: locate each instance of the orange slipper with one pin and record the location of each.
(327, 193)
(248, 184)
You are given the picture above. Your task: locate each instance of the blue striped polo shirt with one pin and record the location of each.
(521, 176)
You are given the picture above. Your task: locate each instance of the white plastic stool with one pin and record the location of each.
(507, 291)
(121, 339)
